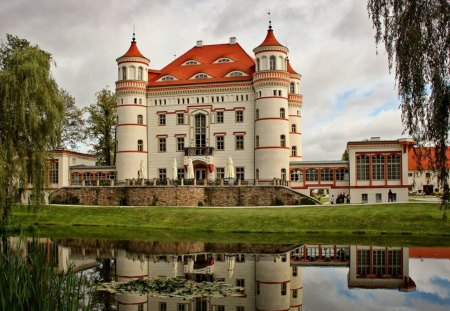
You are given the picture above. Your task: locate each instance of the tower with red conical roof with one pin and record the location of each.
(271, 82)
(131, 130)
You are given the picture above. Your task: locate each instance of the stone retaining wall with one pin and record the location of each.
(180, 196)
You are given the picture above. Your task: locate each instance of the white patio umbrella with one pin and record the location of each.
(229, 169)
(190, 170)
(230, 261)
(175, 169)
(141, 170)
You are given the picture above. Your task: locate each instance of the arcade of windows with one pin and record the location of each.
(325, 174)
(188, 100)
(375, 167)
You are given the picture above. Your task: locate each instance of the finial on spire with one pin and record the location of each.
(134, 31)
(270, 20)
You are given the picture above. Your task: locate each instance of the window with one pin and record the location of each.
(274, 92)
(162, 119)
(279, 92)
(162, 306)
(362, 168)
(220, 172)
(180, 143)
(181, 307)
(201, 76)
(240, 308)
(239, 116)
(140, 73)
(162, 174)
(257, 142)
(167, 78)
(219, 117)
(257, 114)
(220, 142)
(393, 166)
(191, 62)
(294, 128)
(240, 173)
(180, 118)
(240, 283)
(273, 63)
(239, 142)
(283, 174)
(135, 100)
(379, 262)
(311, 175)
(258, 288)
(326, 175)
(258, 67)
(283, 289)
(292, 88)
(224, 60)
(378, 167)
(141, 307)
(140, 145)
(378, 197)
(364, 198)
(282, 113)
(363, 256)
(124, 73)
(236, 74)
(294, 293)
(180, 173)
(162, 144)
(283, 141)
(294, 151)
(140, 119)
(200, 130)
(53, 172)
(342, 174)
(297, 175)
(294, 271)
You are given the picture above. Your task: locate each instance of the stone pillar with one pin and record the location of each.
(239, 182)
(83, 183)
(133, 182)
(111, 182)
(256, 182)
(221, 182)
(205, 182)
(97, 182)
(142, 181)
(182, 181)
(195, 182)
(127, 182)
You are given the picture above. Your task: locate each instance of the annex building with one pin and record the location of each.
(216, 104)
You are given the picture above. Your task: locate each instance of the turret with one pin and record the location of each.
(131, 133)
(295, 101)
(271, 82)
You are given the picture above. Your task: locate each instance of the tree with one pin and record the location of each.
(345, 155)
(416, 37)
(30, 110)
(72, 125)
(101, 124)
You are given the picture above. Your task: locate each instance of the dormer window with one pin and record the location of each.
(201, 76)
(191, 62)
(236, 74)
(167, 78)
(223, 60)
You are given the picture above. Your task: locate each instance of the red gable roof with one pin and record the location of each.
(290, 69)
(133, 51)
(423, 154)
(270, 39)
(206, 55)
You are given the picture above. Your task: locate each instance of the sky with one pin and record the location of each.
(348, 92)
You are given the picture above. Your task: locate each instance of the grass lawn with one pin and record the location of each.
(421, 220)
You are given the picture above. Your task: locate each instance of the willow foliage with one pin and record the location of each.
(30, 110)
(416, 37)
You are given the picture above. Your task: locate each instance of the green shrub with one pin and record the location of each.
(277, 202)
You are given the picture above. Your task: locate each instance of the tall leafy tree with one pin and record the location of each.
(30, 110)
(101, 123)
(72, 125)
(416, 37)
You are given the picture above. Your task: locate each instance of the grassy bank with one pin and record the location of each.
(418, 219)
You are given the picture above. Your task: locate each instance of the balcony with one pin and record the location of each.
(198, 151)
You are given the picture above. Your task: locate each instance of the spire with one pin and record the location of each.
(270, 20)
(134, 33)
(133, 51)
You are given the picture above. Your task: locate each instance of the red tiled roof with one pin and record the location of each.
(206, 55)
(290, 69)
(424, 154)
(133, 51)
(430, 252)
(270, 39)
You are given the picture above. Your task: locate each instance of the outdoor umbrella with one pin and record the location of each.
(229, 170)
(190, 170)
(175, 169)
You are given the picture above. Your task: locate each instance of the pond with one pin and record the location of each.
(245, 276)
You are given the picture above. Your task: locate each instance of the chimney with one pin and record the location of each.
(199, 43)
(232, 40)
(375, 138)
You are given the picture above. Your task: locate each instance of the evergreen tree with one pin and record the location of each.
(30, 110)
(101, 125)
(416, 36)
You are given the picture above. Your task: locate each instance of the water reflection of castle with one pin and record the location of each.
(271, 275)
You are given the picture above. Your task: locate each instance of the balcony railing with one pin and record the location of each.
(198, 151)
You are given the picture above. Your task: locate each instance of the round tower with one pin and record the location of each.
(295, 101)
(271, 82)
(273, 282)
(131, 131)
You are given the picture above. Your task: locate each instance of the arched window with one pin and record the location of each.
(294, 151)
(283, 174)
(140, 119)
(236, 74)
(140, 74)
(124, 73)
(140, 145)
(282, 113)
(294, 128)
(201, 76)
(282, 140)
(292, 88)
(258, 68)
(257, 141)
(257, 114)
(273, 63)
